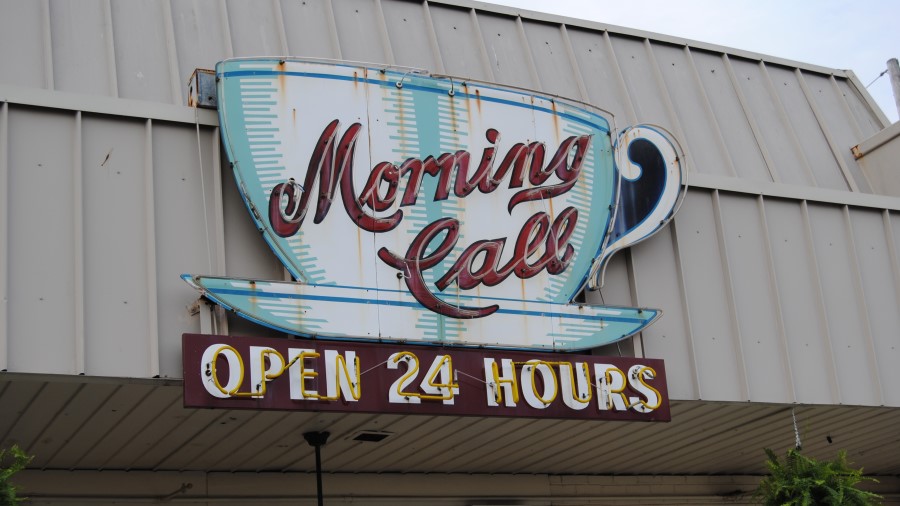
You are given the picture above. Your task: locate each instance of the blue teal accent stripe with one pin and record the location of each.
(378, 82)
(325, 298)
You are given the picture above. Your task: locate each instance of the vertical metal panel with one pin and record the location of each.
(529, 58)
(827, 343)
(184, 247)
(80, 55)
(842, 99)
(602, 77)
(551, 58)
(667, 100)
(878, 278)
(576, 72)
(243, 257)
(815, 147)
(837, 121)
(110, 40)
(640, 83)
(279, 27)
(787, 363)
(254, 28)
(727, 275)
(804, 324)
(637, 341)
(461, 45)
(200, 39)
(41, 241)
(787, 162)
(705, 287)
(47, 44)
(150, 273)
(246, 253)
(172, 55)
(117, 322)
(381, 24)
(826, 131)
(616, 290)
(218, 226)
(804, 173)
(310, 30)
(4, 235)
(706, 155)
(832, 243)
(487, 69)
(751, 119)
(739, 139)
(506, 51)
(657, 278)
(432, 38)
(78, 236)
(892, 236)
(140, 50)
(868, 123)
(21, 44)
(408, 30)
(865, 339)
(756, 300)
(710, 117)
(225, 23)
(357, 31)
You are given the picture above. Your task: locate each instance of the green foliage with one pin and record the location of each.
(17, 461)
(802, 481)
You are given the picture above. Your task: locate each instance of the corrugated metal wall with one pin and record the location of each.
(779, 278)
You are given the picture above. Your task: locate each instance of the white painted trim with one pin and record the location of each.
(105, 105)
(876, 141)
(794, 192)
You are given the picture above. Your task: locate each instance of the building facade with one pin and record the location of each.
(779, 277)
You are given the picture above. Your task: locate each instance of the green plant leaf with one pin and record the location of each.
(17, 459)
(800, 480)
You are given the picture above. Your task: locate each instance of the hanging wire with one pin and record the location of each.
(203, 191)
(797, 443)
(877, 78)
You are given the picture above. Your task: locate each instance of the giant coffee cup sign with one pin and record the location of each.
(428, 209)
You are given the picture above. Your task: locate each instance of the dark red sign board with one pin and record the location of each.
(313, 375)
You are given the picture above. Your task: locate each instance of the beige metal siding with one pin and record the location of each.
(44, 269)
(778, 278)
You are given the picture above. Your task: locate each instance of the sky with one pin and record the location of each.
(859, 35)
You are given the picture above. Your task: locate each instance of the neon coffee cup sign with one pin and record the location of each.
(427, 209)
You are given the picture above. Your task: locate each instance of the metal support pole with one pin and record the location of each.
(317, 440)
(894, 72)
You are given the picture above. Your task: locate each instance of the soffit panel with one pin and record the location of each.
(159, 434)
